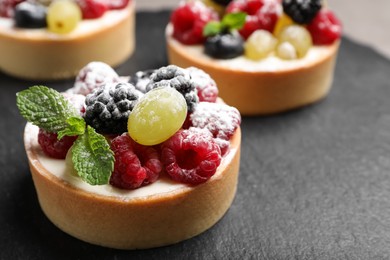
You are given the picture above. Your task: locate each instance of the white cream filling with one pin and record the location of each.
(59, 169)
(241, 63)
(86, 26)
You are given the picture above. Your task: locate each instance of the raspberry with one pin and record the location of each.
(7, 7)
(325, 28)
(191, 156)
(92, 76)
(135, 165)
(108, 107)
(177, 78)
(141, 79)
(206, 87)
(117, 4)
(301, 11)
(261, 14)
(53, 147)
(92, 9)
(188, 21)
(220, 119)
(77, 100)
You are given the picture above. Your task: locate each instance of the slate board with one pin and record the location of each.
(314, 183)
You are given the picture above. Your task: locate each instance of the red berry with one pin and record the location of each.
(325, 28)
(220, 119)
(7, 7)
(261, 14)
(135, 165)
(53, 147)
(188, 21)
(191, 156)
(92, 9)
(117, 4)
(206, 87)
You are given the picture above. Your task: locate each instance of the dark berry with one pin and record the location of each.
(92, 76)
(325, 28)
(220, 119)
(191, 156)
(222, 2)
(188, 21)
(135, 165)
(53, 147)
(177, 78)
(141, 79)
(30, 15)
(92, 9)
(206, 87)
(108, 107)
(224, 46)
(261, 15)
(301, 11)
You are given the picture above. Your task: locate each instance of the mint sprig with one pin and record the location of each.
(92, 158)
(230, 22)
(46, 108)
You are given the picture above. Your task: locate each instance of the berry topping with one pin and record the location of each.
(301, 11)
(220, 119)
(30, 15)
(191, 156)
(92, 76)
(325, 28)
(206, 87)
(157, 116)
(135, 165)
(108, 107)
(92, 9)
(224, 46)
(77, 100)
(298, 36)
(7, 7)
(63, 16)
(53, 147)
(188, 21)
(178, 79)
(141, 79)
(262, 14)
(117, 4)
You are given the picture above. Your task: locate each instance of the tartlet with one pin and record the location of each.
(155, 214)
(39, 54)
(265, 85)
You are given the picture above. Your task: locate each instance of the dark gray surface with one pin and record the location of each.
(314, 183)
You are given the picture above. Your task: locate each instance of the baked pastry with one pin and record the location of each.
(171, 189)
(41, 42)
(267, 56)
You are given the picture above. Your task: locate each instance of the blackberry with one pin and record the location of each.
(301, 11)
(178, 78)
(141, 79)
(224, 46)
(108, 107)
(30, 15)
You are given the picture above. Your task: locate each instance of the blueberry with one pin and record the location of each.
(30, 15)
(222, 2)
(224, 46)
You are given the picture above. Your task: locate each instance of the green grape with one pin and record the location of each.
(286, 51)
(299, 37)
(158, 115)
(259, 45)
(63, 16)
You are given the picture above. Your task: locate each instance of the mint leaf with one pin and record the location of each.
(46, 108)
(212, 28)
(230, 22)
(92, 158)
(234, 21)
(75, 126)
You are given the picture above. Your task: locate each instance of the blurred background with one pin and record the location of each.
(366, 22)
